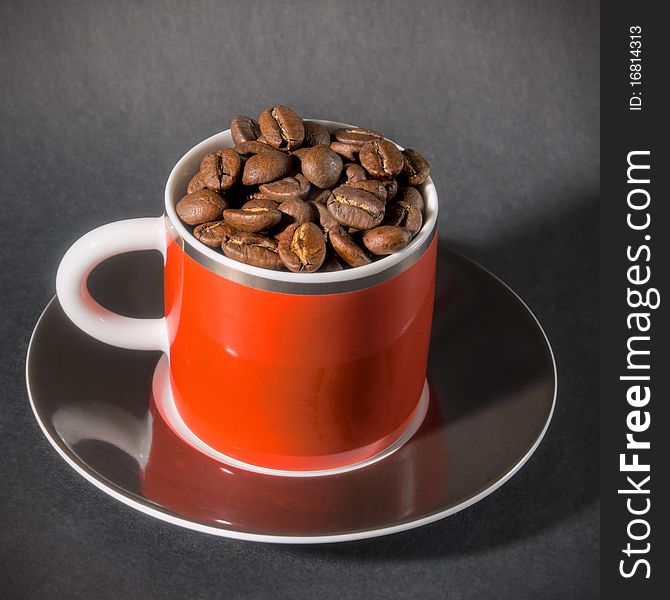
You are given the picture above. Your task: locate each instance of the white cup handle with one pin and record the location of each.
(72, 289)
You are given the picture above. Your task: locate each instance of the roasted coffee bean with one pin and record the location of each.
(289, 187)
(247, 149)
(326, 220)
(231, 168)
(282, 127)
(391, 186)
(252, 219)
(356, 136)
(200, 207)
(254, 196)
(415, 168)
(354, 172)
(371, 185)
(244, 129)
(322, 166)
(211, 234)
(386, 239)
(321, 197)
(305, 185)
(251, 248)
(381, 159)
(406, 210)
(349, 151)
(260, 202)
(346, 248)
(298, 211)
(210, 171)
(287, 191)
(265, 167)
(196, 183)
(315, 134)
(299, 153)
(302, 247)
(357, 208)
(220, 170)
(331, 263)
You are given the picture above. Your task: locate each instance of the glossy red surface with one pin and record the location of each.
(294, 381)
(217, 494)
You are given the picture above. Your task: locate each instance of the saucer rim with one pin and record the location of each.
(129, 499)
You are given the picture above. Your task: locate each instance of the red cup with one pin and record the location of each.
(182, 480)
(278, 370)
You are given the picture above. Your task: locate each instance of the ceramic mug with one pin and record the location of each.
(280, 370)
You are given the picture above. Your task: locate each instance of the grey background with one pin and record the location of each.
(101, 98)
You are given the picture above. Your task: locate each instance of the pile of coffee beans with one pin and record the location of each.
(292, 195)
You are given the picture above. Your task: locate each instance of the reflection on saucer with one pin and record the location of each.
(186, 481)
(183, 480)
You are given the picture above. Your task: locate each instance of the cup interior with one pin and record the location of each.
(188, 166)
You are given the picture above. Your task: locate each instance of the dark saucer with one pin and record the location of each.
(492, 381)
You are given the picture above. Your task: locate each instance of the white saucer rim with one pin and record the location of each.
(167, 408)
(164, 515)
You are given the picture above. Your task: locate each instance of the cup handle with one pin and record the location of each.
(78, 304)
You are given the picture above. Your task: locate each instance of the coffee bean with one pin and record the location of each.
(265, 167)
(371, 185)
(253, 196)
(357, 208)
(251, 248)
(356, 136)
(346, 248)
(331, 263)
(260, 202)
(386, 239)
(196, 183)
(349, 151)
(282, 127)
(281, 190)
(299, 153)
(298, 211)
(381, 159)
(416, 168)
(302, 247)
(326, 219)
(252, 219)
(289, 198)
(211, 234)
(244, 129)
(231, 167)
(247, 149)
(305, 185)
(220, 170)
(354, 172)
(406, 210)
(200, 207)
(315, 134)
(391, 186)
(322, 166)
(321, 197)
